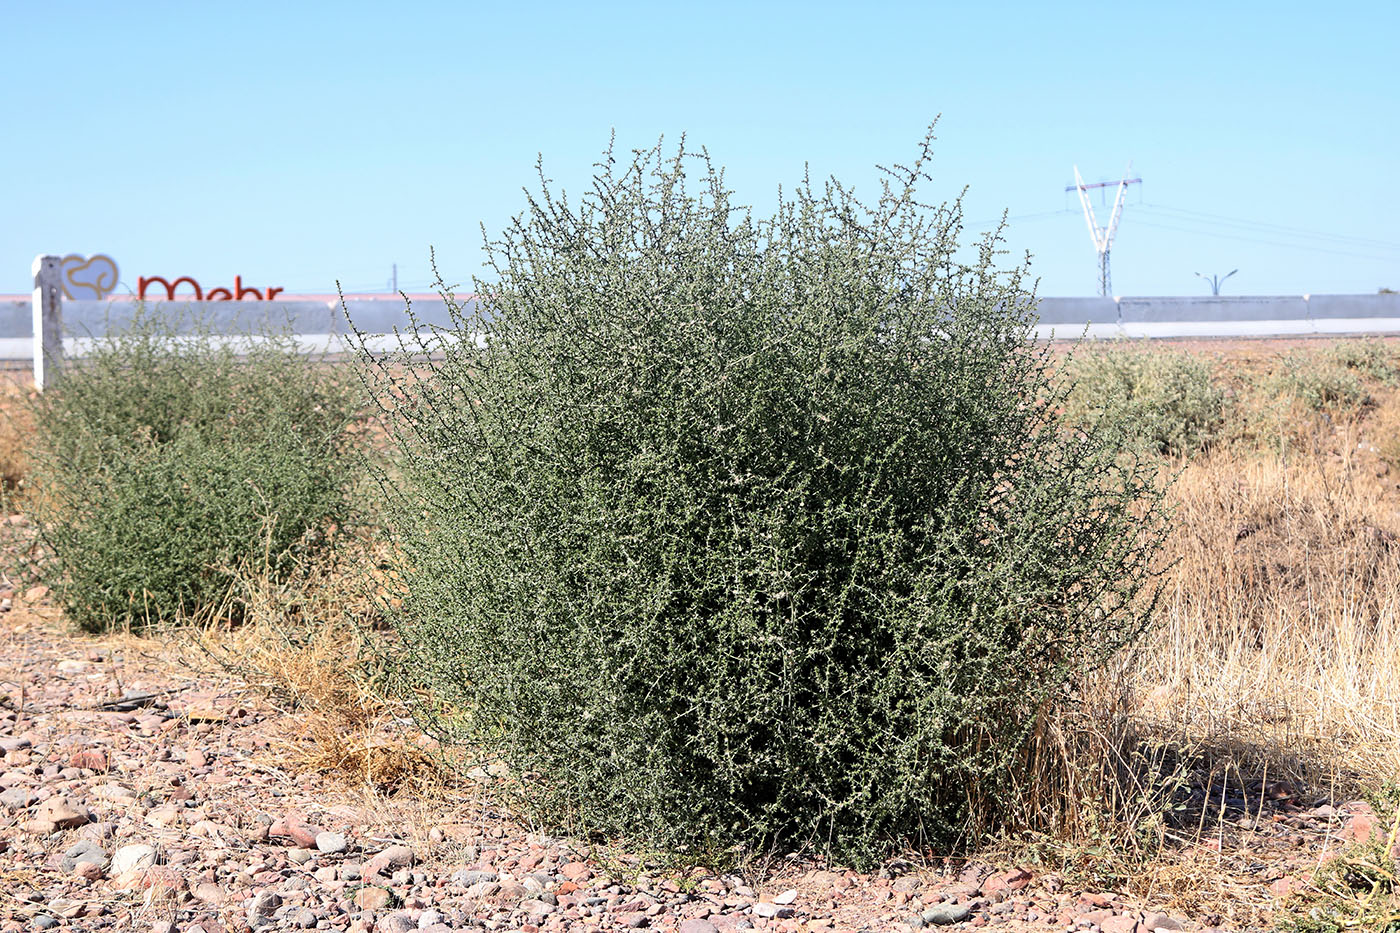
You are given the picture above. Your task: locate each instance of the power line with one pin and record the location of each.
(1278, 229)
(1248, 239)
(1042, 215)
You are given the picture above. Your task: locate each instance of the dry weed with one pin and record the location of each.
(15, 426)
(1278, 638)
(308, 643)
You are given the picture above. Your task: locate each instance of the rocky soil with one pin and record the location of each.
(141, 790)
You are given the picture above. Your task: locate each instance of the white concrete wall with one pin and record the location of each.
(321, 325)
(1209, 308)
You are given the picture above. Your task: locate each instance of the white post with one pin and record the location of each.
(48, 320)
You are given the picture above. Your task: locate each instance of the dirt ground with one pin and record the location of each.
(143, 787)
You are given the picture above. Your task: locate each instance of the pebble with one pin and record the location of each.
(301, 917)
(373, 898)
(330, 842)
(85, 851)
(131, 857)
(943, 914)
(467, 878)
(396, 923)
(698, 925)
(231, 833)
(263, 906)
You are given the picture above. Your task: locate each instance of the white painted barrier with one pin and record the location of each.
(321, 326)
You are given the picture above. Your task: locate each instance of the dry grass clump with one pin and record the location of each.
(1278, 634)
(1275, 649)
(309, 642)
(15, 426)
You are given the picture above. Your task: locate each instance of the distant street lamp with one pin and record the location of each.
(1215, 280)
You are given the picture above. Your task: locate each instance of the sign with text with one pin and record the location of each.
(237, 293)
(96, 277)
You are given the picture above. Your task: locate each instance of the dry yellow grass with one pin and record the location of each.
(1278, 637)
(14, 427)
(308, 642)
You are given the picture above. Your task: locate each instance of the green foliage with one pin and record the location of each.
(1371, 359)
(745, 531)
(1357, 889)
(1164, 399)
(1339, 378)
(164, 461)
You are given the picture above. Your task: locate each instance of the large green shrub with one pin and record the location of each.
(1164, 399)
(729, 530)
(166, 461)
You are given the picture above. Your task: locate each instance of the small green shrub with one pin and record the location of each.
(1322, 382)
(723, 530)
(1372, 359)
(164, 461)
(1165, 399)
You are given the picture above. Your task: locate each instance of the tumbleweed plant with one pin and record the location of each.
(723, 529)
(168, 459)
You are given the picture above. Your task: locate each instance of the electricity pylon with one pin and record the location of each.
(1103, 236)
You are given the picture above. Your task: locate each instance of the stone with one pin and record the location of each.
(466, 877)
(300, 917)
(1120, 924)
(132, 857)
(696, 925)
(64, 813)
(373, 898)
(263, 906)
(772, 911)
(396, 923)
(43, 922)
(577, 872)
(85, 851)
(429, 918)
(331, 843)
(91, 758)
(16, 798)
(392, 857)
(786, 898)
(944, 914)
(1160, 921)
(300, 856)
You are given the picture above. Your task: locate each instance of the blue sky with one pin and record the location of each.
(295, 144)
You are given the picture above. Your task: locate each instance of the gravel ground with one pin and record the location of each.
(142, 791)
